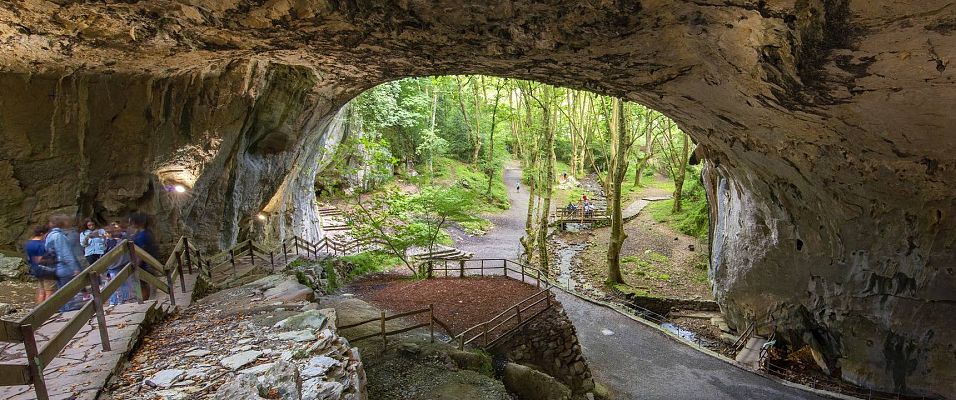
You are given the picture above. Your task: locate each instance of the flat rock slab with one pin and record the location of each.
(81, 370)
(240, 360)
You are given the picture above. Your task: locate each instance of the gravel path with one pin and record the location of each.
(632, 360)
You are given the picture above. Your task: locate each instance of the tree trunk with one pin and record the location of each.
(616, 172)
(681, 173)
(547, 178)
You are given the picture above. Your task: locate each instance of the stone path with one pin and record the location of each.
(633, 360)
(635, 208)
(82, 368)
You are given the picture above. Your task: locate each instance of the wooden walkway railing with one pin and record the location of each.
(498, 327)
(184, 258)
(24, 330)
(384, 333)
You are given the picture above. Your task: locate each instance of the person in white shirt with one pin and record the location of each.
(93, 240)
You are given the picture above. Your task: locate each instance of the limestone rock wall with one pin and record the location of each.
(549, 343)
(825, 124)
(233, 133)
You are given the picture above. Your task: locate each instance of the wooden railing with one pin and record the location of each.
(498, 327)
(384, 333)
(41, 355)
(184, 259)
(510, 268)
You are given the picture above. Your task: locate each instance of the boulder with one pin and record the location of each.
(530, 384)
(311, 319)
(471, 361)
(13, 268)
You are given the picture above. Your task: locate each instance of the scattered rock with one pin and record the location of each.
(236, 361)
(318, 366)
(312, 319)
(165, 378)
(198, 353)
(304, 335)
(258, 369)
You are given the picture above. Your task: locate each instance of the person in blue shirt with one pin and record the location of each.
(67, 264)
(143, 238)
(45, 275)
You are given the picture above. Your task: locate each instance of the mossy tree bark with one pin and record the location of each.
(616, 170)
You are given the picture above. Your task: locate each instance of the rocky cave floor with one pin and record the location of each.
(270, 328)
(17, 299)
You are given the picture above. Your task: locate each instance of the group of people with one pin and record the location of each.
(59, 250)
(583, 205)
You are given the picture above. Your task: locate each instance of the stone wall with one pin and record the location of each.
(549, 343)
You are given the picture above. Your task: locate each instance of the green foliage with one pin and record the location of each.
(331, 278)
(693, 219)
(401, 221)
(370, 262)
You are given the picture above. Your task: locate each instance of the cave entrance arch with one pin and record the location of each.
(822, 121)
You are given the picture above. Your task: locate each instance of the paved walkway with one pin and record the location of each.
(81, 370)
(631, 359)
(635, 208)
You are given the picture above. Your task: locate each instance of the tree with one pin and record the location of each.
(675, 146)
(621, 142)
(399, 222)
(545, 179)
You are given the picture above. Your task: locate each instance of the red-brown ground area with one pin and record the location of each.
(460, 303)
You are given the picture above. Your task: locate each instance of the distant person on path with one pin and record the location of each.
(124, 293)
(45, 274)
(59, 247)
(93, 241)
(142, 237)
(518, 188)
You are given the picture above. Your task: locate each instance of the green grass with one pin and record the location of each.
(625, 288)
(453, 172)
(692, 220)
(370, 262)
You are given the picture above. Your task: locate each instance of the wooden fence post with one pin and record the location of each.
(98, 306)
(232, 259)
(431, 321)
(33, 359)
(172, 290)
(482, 267)
(272, 260)
(461, 343)
(182, 278)
(537, 282)
(461, 268)
(189, 260)
(504, 267)
(518, 313)
(522, 273)
(252, 257)
(285, 253)
(179, 267)
(384, 336)
(134, 271)
(485, 334)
